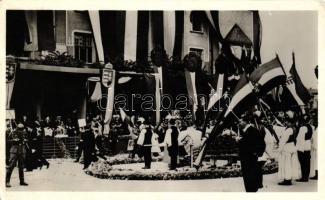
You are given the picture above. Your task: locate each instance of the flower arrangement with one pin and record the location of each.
(104, 170)
(59, 59)
(123, 159)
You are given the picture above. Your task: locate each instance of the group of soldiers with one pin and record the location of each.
(291, 140)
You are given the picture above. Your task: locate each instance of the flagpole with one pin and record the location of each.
(277, 57)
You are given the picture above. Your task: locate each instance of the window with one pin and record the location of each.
(196, 26)
(199, 52)
(83, 47)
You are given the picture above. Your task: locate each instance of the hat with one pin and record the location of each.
(290, 114)
(20, 126)
(37, 123)
(141, 119)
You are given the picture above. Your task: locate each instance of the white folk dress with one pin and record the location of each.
(289, 167)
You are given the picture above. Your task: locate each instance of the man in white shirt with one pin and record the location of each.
(313, 162)
(288, 164)
(146, 140)
(304, 147)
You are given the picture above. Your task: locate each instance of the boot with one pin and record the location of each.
(302, 180)
(285, 182)
(8, 185)
(315, 177)
(23, 183)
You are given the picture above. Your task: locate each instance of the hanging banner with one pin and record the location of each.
(95, 23)
(11, 67)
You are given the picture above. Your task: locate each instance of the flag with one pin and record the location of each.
(95, 24)
(257, 35)
(130, 41)
(142, 38)
(213, 18)
(242, 98)
(31, 19)
(17, 32)
(217, 92)
(300, 89)
(152, 88)
(110, 101)
(125, 117)
(191, 89)
(94, 89)
(268, 76)
(169, 22)
(179, 35)
(45, 30)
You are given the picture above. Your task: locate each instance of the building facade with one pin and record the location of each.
(40, 89)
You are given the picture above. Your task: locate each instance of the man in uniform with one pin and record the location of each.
(17, 153)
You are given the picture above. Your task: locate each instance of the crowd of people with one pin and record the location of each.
(288, 138)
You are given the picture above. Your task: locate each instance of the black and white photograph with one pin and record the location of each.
(161, 100)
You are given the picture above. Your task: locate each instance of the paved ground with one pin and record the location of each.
(64, 175)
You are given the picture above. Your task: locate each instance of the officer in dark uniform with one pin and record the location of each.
(17, 153)
(251, 146)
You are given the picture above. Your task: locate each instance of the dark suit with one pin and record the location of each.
(89, 147)
(17, 153)
(173, 149)
(251, 146)
(146, 148)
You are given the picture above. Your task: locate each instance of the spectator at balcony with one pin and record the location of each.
(48, 126)
(71, 128)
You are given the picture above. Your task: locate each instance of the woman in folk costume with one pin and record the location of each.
(289, 167)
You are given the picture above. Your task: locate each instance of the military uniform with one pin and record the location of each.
(17, 153)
